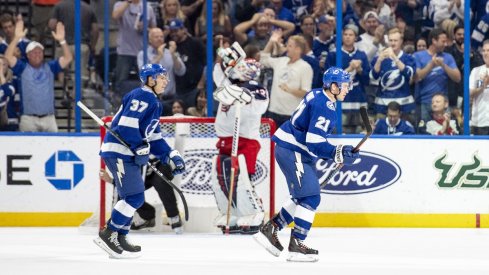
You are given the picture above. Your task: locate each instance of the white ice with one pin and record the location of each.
(342, 251)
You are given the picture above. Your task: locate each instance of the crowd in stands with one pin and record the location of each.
(405, 57)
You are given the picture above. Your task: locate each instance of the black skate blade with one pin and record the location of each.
(114, 255)
(263, 241)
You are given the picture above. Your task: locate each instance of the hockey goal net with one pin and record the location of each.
(196, 140)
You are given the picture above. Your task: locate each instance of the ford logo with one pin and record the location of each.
(371, 172)
(198, 173)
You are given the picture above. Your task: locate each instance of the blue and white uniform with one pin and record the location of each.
(403, 127)
(394, 84)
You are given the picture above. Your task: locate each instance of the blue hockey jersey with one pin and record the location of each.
(136, 122)
(309, 127)
(394, 84)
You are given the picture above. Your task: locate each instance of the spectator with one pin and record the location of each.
(167, 57)
(323, 8)
(41, 12)
(37, 80)
(393, 124)
(440, 123)
(178, 107)
(325, 41)
(372, 40)
(298, 8)
(481, 31)
(308, 56)
(192, 10)
(200, 107)
(64, 12)
(421, 44)
(282, 12)
(308, 25)
(292, 76)
(456, 90)
(246, 9)
(7, 94)
(262, 26)
(170, 10)
(129, 40)
(7, 23)
(192, 53)
(433, 69)
(221, 23)
(356, 63)
(394, 70)
(479, 94)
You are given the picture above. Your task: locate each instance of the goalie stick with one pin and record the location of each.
(368, 128)
(158, 172)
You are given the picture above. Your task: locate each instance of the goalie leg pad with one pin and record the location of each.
(220, 185)
(250, 207)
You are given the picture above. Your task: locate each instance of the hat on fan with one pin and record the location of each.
(32, 45)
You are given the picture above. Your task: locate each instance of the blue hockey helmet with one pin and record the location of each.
(152, 70)
(335, 75)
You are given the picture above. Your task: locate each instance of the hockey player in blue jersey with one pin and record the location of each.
(299, 143)
(137, 123)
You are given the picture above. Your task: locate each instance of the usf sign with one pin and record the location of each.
(464, 175)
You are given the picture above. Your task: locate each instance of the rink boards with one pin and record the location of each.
(52, 180)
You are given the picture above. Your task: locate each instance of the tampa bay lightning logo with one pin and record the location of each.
(392, 80)
(151, 128)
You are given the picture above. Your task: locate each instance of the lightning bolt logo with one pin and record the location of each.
(389, 80)
(299, 168)
(120, 170)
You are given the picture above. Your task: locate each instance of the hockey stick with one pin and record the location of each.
(158, 172)
(234, 162)
(368, 128)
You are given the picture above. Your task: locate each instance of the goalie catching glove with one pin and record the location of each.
(345, 154)
(230, 94)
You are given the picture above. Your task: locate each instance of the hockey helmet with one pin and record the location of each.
(152, 70)
(335, 75)
(246, 70)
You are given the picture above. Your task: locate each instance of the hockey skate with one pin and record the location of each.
(127, 246)
(267, 237)
(140, 223)
(299, 252)
(176, 224)
(108, 240)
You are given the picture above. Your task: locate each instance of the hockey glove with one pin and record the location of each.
(230, 94)
(176, 162)
(344, 154)
(142, 154)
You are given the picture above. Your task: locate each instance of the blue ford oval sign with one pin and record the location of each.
(370, 173)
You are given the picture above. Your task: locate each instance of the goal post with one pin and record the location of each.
(196, 139)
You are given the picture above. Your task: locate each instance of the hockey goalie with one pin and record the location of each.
(239, 89)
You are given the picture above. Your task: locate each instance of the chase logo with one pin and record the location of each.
(64, 170)
(370, 173)
(197, 176)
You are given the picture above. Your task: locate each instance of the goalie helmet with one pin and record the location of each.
(246, 70)
(152, 70)
(335, 75)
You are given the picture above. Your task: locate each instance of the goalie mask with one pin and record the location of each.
(246, 70)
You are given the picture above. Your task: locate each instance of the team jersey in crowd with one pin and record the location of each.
(382, 127)
(309, 127)
(357, 97)
(320, 47)
(393, 83)
(136, 122)
(250, 113)
(480, 32)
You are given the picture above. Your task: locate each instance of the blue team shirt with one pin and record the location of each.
(403, 127)
(309, 126)
(393, 83)
(136, 122)
(437, 79)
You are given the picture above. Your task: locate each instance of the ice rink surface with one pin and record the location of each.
(342, 251)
